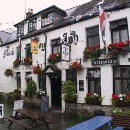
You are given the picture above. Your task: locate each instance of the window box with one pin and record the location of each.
(37, 70)
(121, 100)
(27, 61)
(93, 99)
(92, 52)
(119, 48)
(54, 58)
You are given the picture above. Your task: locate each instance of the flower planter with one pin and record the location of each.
(92, 52)
(54, 58)
(75, 66)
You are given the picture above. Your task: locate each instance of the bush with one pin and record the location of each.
(69, 90)
(31, 88)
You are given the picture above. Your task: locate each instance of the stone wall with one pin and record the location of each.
(86, 110)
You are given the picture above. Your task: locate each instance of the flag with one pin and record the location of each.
(34, 46)
(102, 20)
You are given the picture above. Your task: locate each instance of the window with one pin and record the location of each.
(121, 79)
(28, 50)
(119, 30)
(93, 36)
(94, 81)
(46, 20)
(20, 30)
(18, 50)
(72, 76)
(32, 25)
(18, 78)
(81, 85)
(56, 46)
(42, 81)
(28, 77)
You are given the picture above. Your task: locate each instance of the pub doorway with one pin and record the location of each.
(55, 90)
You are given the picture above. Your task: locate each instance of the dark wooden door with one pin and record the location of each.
(56, 91)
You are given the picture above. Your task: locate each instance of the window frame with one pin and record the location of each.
(121, 78)
(20, 30)
(32, 25)
(118, 28)
(93, 35)
(28, 48)
(45, 18)
(57, 44)
(93, 79)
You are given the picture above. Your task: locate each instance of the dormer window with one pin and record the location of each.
(32, 25)
(20, 30)
(46, 20)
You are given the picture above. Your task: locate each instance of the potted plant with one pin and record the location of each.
(118, 48)
(75, 66)
(92, 52)
(54, 58)
(93, 99)
(37, 70)
(16, 63)
(69, 91)
(27, 61)
(31, 89)
(8, 72)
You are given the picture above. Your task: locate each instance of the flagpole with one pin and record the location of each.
(20, 46)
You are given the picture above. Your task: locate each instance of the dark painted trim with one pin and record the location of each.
(46, 11)
(38, 32)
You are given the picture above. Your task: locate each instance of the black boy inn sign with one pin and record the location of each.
(105, 61)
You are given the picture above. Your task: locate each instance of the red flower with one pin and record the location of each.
(75, 66)
(115, 96)
(89, 94)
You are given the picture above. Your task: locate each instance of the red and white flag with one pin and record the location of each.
(102, 19)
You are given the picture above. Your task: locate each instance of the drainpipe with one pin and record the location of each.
(45, 44)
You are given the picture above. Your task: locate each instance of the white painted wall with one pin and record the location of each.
(8, 84)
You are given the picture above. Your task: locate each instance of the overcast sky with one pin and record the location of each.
(13, 11)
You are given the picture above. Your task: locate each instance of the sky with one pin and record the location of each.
(13, 11)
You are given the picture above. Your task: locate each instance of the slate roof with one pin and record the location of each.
(87, 11)
(4, 36)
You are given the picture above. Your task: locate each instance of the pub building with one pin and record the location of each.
(70, 36)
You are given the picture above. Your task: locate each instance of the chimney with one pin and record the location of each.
(29, 13)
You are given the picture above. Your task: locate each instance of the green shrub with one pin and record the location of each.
(31, 88)
(69, 90)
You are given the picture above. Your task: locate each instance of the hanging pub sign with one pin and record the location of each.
(34, 46)
(105, 61)
(70, 38)
(65, 52)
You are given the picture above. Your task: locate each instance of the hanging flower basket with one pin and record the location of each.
(75, 66)
(93, 99)
(119, 48)
(121, 100)
(16, 63)
(37, 70)
(54, 58)
(92, 52)
(8, 72)
(27, 61)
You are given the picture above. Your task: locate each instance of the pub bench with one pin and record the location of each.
(119, 128)
(119, 120)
